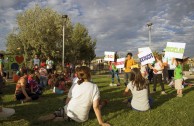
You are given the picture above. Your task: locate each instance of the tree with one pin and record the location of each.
(40, 32)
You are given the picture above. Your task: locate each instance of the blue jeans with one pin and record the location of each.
(43, 81)
(115, 73)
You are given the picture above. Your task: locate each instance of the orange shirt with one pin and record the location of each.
(129, 63)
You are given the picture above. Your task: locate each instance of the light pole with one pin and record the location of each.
(63, 56)
(149, 24)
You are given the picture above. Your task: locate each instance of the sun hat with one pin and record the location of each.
(6, 112)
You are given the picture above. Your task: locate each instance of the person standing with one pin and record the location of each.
(36, 61)
(1, 73)
(128, 63)
(114, 72)
(49, 65)
(178, 77)
(157, 71)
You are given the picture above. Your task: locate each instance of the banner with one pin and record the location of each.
(146, 56)
(120, 63)
(175, 49)
(13, 62)
(109, 56)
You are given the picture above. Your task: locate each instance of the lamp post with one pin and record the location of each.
(63, 56)
(149, 24)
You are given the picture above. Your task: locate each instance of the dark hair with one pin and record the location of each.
(129, 54)
(138, 80)
(83, 74)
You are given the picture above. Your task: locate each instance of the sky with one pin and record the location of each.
(118, 25)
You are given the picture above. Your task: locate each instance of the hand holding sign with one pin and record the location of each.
(146, 56)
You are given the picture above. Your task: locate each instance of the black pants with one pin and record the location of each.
(21, 96)
(50, 71)
(170, 74)
(165, 74)
(158, 79)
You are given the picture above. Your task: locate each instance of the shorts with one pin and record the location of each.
(178, 84)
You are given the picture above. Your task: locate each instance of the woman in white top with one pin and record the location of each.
(157, 71)
(81, 97)
(139, 90)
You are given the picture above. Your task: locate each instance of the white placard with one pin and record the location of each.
(146, 57)
(175, 49)
(109, 56)
(120, 63)
(144, 49)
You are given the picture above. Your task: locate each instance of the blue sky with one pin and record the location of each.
(117, 25)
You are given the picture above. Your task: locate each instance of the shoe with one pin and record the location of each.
(118, 84)
(153, 92)
(163, 93)
(111, 84)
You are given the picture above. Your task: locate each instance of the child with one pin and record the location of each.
(114, 72)
(178, 77)
(60, 87)
(139, 89)
(34, 88)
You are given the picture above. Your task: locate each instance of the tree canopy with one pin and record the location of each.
(40, 32)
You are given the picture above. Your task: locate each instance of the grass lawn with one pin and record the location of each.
(168, 110)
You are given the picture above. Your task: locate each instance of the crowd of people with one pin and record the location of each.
(80, 89)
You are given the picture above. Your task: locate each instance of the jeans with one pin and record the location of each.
(43, 81)
(127, 77)
(115, 73)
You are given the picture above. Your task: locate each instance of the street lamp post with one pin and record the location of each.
(63, 56)
(149, 24)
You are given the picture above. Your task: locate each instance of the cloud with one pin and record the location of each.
(118, 25)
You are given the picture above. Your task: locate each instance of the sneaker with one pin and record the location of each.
(118, 84)
(153, 92)
(163, 93)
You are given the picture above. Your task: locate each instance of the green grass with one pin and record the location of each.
(168, 110)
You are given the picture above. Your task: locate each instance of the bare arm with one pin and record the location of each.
(98, 113)
(23, 83)
(126, 92)
(67, 100)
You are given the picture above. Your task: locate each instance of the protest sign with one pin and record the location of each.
(146, 56)
(175, 49)
(120, 63)
(109, 56)
(144, 49)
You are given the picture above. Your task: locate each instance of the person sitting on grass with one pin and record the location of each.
(60, 87)
(34, 87)
(139, 90)
(80, 99)
(22, 91)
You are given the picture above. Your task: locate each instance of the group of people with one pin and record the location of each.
(80, 90)
(137, 80)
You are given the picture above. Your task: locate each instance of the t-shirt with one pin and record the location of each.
(178, 72)
(49, 64)
(82, 97)
(36, 61)
(158, 67)
(139, 98)
(129, 63)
